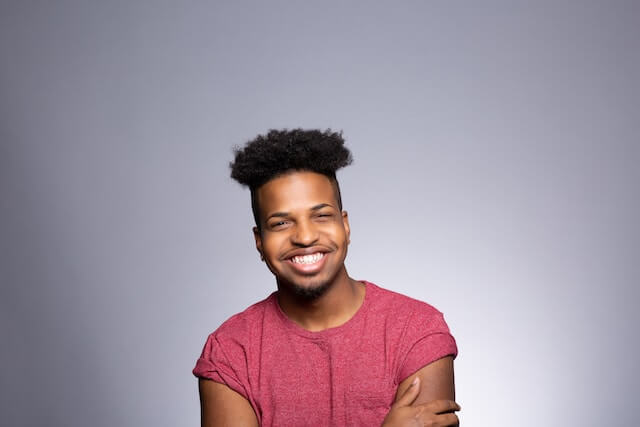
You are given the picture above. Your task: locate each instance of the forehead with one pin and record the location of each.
(295, 191)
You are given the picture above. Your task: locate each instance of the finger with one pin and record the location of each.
(448, 420)
(410, 394)
(441, 406)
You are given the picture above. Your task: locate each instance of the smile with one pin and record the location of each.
(308, 264)
(307, 259)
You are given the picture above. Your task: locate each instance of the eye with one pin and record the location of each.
(278, 224)
(324, 216)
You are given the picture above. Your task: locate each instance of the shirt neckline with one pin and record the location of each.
(325, 333)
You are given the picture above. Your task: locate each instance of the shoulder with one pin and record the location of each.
(227, 347)
(385, 300)
(417, 329)
(408, 318)
(241, 325)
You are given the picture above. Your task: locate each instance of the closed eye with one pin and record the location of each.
(324, 216)
(278, 224)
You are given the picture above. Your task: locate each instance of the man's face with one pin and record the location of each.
(304, 234)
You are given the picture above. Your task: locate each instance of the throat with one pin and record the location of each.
(333, 308)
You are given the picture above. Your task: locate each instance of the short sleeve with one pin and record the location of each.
(213, 364)
(429, 339)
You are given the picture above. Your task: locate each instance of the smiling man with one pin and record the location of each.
(324, 349)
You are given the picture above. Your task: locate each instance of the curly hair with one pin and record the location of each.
(281, 151)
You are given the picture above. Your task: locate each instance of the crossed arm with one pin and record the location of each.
(431, 399)
(426, 398)
(222, 407)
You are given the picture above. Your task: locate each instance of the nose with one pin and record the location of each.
(305, 234)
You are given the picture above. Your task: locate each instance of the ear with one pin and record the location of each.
(258, 238)
(347, 228)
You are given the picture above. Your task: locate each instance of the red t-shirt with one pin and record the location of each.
(343, 376)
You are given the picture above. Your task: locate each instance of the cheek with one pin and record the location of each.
(272, 247)
(340, 237)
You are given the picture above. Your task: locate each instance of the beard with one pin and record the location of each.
(310, 293)
(307, 293)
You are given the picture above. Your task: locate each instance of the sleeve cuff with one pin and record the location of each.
(429, 349)
(205, 369)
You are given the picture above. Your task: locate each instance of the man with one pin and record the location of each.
(324, 349)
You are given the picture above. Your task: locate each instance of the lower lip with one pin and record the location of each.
(308, 268)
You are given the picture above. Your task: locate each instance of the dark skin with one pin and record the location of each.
(299, 216)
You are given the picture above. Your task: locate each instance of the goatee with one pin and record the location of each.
(309, 293)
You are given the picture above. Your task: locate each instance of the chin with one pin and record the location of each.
(310, 292)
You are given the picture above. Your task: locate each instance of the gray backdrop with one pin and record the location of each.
(496, 177)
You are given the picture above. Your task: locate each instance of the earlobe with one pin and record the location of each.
(347, 228)
(258, 239)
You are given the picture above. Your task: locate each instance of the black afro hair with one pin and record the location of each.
(279, 151)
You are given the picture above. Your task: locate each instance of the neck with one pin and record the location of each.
(333, 308)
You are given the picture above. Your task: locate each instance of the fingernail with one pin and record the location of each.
(415, 381)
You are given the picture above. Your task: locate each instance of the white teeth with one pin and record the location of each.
(308, 259)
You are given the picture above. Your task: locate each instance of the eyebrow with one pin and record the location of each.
(285, 214)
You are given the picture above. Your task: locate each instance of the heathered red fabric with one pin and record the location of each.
(343, 376)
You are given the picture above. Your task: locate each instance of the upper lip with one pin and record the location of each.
(305, 251)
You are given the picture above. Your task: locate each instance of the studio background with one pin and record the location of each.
(496, 177)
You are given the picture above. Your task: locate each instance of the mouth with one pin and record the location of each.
(308, 263)
(307, 259)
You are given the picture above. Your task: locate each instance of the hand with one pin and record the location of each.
(437, 413)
